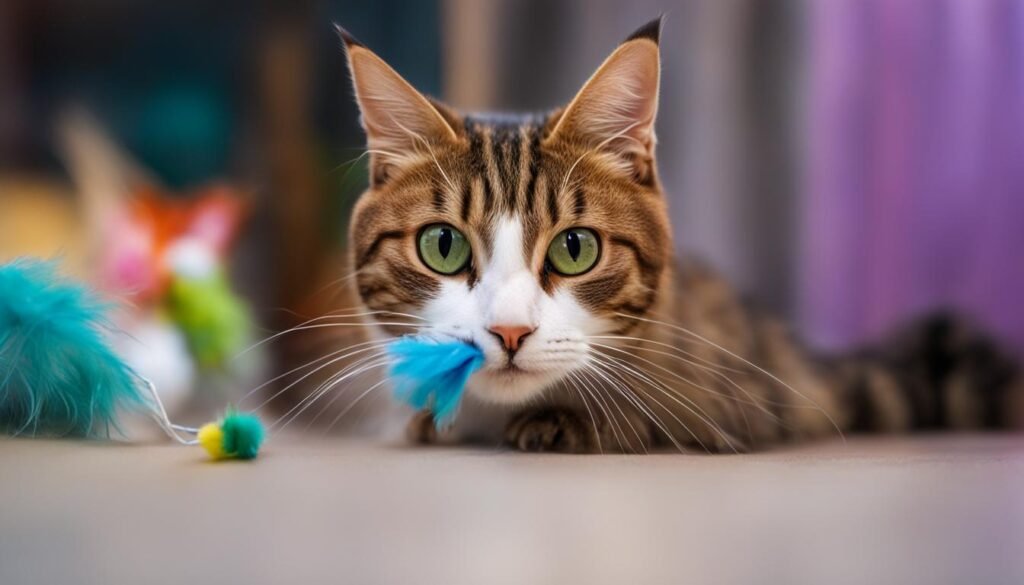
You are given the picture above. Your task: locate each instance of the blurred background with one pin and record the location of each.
(846, 163)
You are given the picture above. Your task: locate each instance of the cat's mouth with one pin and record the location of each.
(514, 373)
(508, 383)
(509, 369)
(514, 381)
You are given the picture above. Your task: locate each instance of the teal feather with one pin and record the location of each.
(57, 374)
(429, 373)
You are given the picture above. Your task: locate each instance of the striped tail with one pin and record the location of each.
(939, 373)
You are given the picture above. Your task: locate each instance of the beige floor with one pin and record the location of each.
(923, 510)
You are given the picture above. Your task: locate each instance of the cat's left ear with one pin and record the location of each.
(615, 110)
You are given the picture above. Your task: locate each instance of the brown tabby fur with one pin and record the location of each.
(691, 366)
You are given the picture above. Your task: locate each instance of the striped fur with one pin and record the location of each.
(501, 170)
(643, 350)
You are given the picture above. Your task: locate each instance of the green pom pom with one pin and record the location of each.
(215, 320)
(243, 435)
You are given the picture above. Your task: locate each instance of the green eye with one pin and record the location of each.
(574, 251)
(443, 248)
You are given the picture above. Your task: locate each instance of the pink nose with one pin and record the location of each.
(511, 336)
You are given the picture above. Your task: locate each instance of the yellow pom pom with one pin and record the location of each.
(236, 436)
(211, 437)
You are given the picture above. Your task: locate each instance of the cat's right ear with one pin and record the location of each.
(400, 122)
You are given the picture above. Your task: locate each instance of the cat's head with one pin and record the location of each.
(530, 236)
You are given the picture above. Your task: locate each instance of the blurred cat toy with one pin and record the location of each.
(166, 259)
(60, 377)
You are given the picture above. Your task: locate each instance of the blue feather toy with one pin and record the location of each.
(57, 374)
(430, 373)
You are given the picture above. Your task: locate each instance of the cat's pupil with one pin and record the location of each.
(572, 244)
(444, 242)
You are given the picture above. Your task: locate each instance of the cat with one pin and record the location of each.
(545, 241)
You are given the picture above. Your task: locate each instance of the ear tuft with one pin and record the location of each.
(347, 38)
(650, 31)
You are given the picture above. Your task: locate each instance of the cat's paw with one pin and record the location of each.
(550, 429)
(421, 430)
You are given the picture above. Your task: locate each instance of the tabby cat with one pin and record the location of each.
(544, 240)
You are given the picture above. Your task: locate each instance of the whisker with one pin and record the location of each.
(319, 368)
(602, 405)
(596, 369)
(746, 361)
(355, 369)
(576, 386)
(376, 343)
(674, 395)
(331, 385)
(306, 326)
(740, 404)
(309, 400)
(337, 282)
(707, 363)
(353, 403)
(351, 162)
(753, 401)
(625, 417)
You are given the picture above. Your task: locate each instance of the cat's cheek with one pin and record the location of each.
(454, 311)
(576, 316)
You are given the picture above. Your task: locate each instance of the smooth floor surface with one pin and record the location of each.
(930, 510)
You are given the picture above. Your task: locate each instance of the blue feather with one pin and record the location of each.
(429, 373)
(57, 374)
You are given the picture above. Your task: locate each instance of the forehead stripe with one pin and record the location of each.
(478, 167)
(534, 155)
(552, 203)
(514, 146)
(467, 199)
(438, 199)
(496, 184)
(522, 167)
(496, 152)
(476, 147)
(580, 202)
(488, 193)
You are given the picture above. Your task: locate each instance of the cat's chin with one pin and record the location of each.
(509, 386)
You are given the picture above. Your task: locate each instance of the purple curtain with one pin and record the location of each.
(914, 176)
